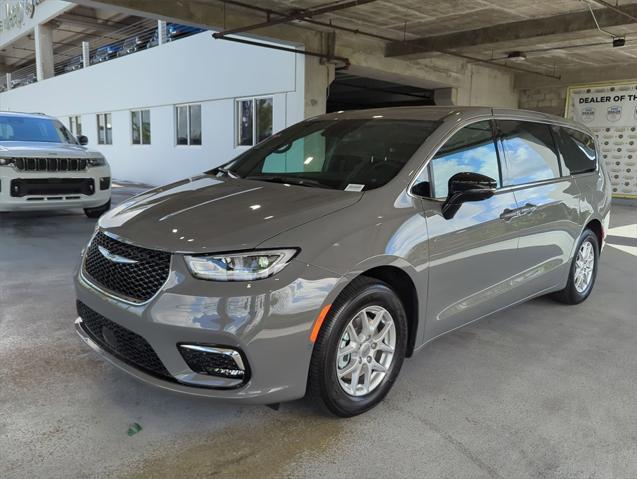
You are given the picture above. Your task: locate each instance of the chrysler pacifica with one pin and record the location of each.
(315, 262)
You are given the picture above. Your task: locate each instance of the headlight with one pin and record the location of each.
(240, 266)
(96, 161)
(7, 161)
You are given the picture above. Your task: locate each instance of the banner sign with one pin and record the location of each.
(610, 111)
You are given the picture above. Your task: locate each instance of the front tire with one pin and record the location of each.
(97, 211)
(583, 270)
(360, 348)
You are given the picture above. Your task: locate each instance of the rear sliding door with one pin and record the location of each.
(547, 197)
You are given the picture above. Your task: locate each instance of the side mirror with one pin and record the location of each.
(82, 140)
(465, 187)
(422, 189)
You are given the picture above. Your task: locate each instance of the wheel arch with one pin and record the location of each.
(403, 285)
(596, 227)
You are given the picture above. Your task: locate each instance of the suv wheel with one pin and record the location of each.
(360, 348)
(583, 270)
(97, 211)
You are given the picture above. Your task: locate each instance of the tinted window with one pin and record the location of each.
(530, 152)
(194, 112)
(469, 150)
(578, 151)
(182, 125)
(19, 128)
(352, 154)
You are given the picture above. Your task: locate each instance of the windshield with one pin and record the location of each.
(21, 128)
(349, 154)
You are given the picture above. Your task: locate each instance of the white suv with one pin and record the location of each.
(43, 166)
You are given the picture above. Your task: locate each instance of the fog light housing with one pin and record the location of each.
(216, 361)
(105, 183)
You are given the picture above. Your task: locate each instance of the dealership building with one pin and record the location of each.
(160, 111)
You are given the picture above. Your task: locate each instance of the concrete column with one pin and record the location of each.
(86, 54)
(43, 52)
(8, 81)
(446, 96)
(161, 32)
(318, 77)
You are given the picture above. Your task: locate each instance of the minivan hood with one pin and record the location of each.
(40, 149)
(212, 214)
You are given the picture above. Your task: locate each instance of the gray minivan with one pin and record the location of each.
(319, 259)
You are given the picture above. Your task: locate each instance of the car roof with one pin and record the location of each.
(27, 115)
(441, 113)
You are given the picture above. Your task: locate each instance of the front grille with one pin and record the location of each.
(50, 164)
(52, 186)
(137, 282)
(121, 343)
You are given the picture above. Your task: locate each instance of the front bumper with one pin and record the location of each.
(52, 200)
(268, 320)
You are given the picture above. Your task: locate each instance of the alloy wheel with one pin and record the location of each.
(366, 351)
(584, 266)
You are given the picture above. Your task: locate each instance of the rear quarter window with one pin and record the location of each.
(578, 151)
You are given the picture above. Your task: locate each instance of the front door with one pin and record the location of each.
(473, 255)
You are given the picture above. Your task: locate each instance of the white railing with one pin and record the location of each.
(141, 35)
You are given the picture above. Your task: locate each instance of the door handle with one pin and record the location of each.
(508, 214)
(527, 209)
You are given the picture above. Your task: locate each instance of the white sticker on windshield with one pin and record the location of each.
(354, 187)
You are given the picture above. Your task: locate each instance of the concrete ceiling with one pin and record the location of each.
(564, 37)
(70, 29)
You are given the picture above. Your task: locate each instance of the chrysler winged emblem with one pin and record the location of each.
(115, 258)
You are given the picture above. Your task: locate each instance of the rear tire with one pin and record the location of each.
(97, 211)
(583, 272)
(352, 383)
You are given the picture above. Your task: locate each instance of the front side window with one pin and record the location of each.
(253, 120)
(104, 129)
(578, 151)
(349, 154)
(140, 127)
(46, 130)
(529, 150)
(188, 121)
(471, 150)
(75, 124)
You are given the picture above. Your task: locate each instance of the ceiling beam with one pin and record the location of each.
(509, 32)
(301, 15)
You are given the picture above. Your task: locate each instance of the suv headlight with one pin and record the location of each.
(7, 161)
(96, 161)
(240, 266)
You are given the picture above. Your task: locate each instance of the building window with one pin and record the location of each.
(253, 120)
(140, 127)
(104, 129)
(75, 124)
(188, 119)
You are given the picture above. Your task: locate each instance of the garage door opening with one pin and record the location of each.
(353, 92)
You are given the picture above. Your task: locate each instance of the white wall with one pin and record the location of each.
(196, 69)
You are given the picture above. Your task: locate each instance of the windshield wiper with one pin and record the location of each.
(226, 171)
(289, 180)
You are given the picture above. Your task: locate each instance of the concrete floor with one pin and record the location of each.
(541, 390)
